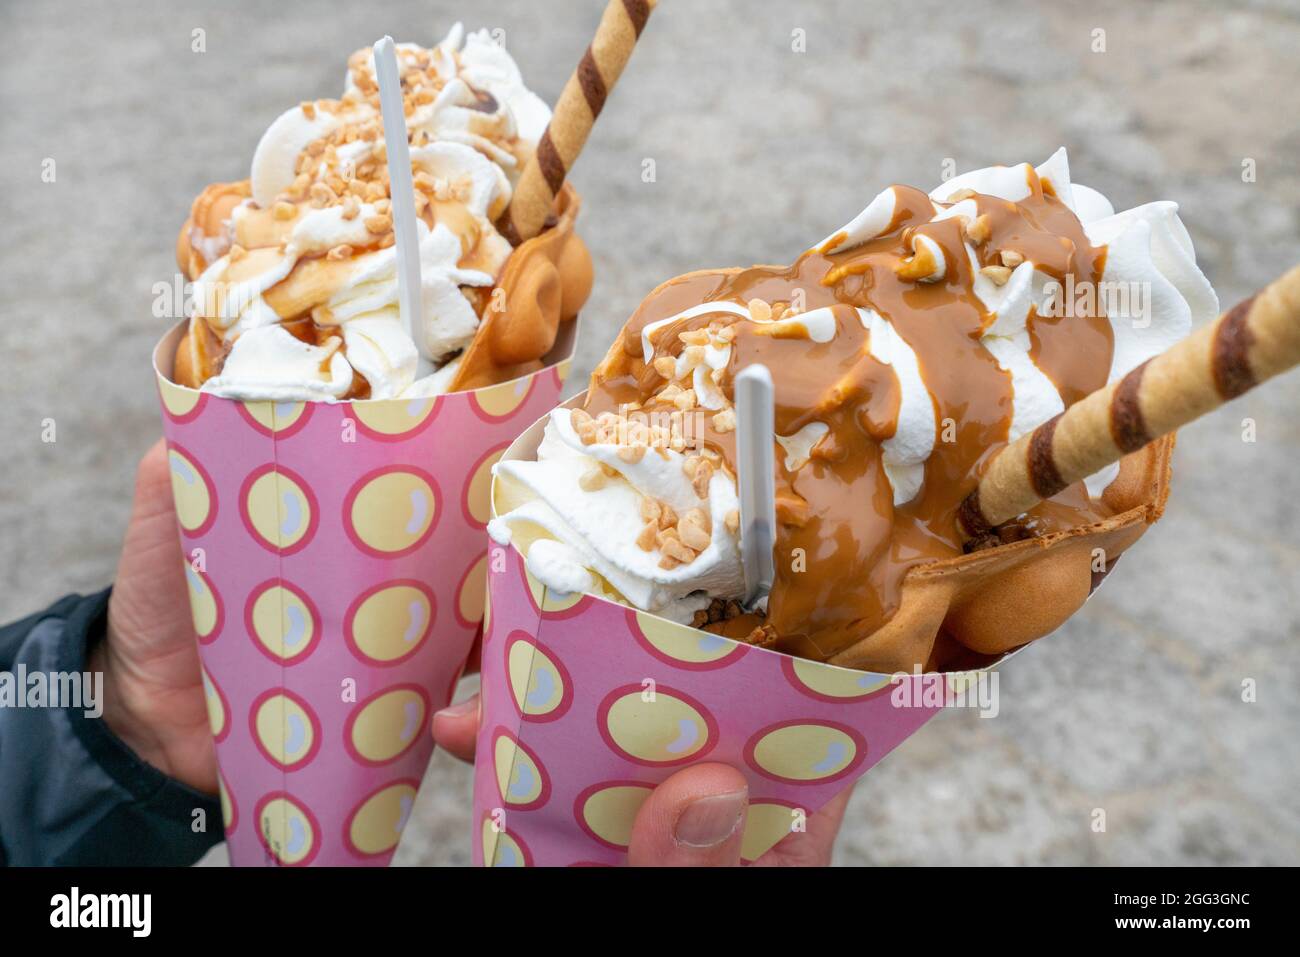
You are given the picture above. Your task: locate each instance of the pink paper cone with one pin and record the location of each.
(335, 557)
(587, 704)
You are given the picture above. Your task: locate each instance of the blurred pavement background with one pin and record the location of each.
(1135, 707)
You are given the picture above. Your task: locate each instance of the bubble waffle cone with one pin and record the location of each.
(997, 599)
(587, 704)
(335, 559)
(545, 282)
(963, 609)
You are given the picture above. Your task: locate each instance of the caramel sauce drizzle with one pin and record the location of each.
(842, 547)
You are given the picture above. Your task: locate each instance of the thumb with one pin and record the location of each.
(694, 819)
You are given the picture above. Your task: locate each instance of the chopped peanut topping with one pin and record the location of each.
(322, 195)
(979, 231)
(650, 510)
(693, 529)
(584, 425)
(1011, 259)
(646, 539)
(700, 480)
(999, 274)
(666, 366)
(732, 521)
(759, 310)
(341, 251)
(631, 454)
(592, 479)
(725, 421)
(961, 194)
(284, 210)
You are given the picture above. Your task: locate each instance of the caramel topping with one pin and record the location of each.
(842, 547)
(345, 168)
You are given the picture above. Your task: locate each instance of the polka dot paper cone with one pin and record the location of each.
(587, 704)
(335, 559)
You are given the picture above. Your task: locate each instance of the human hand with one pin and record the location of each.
(153, 690)
(695, 818)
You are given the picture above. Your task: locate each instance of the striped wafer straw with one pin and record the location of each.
(576, 111)
(1250, 343)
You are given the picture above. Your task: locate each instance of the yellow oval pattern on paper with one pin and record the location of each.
(178, 400)
(765, 824)
(836, 682)
(663, 730)
(391, 623)
(377, 825)
(501, 850)
(611, 811)
(282, 623)
(518, 776)
(287, 830)
(285, 729)
(203, 603)
(278, 509)
(500, 400)
(190, 491)
(275, 416)
(805, 752)
(688, 645)
(393, 416)
(535, 681)
(393, 511)
(386, 725)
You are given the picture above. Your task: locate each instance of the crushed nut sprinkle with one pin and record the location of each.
(999, 274)
(284, 210)
(693, 529)
(322, 195)
(341, 251)
(379, 223)
(724, 421)
(759, 310)
(701, 477)
(732, 521)
(1011, 259)
(593, 479)
(961, 194)
(979, 231)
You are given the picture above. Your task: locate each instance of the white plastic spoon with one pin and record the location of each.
(401, 186)
(756, 477)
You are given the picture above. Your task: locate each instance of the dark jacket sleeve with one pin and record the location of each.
(70, 791)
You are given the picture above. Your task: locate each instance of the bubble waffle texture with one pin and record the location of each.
(335, 567)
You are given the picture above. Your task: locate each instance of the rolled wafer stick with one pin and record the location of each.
(1250, 343)
(580, 103)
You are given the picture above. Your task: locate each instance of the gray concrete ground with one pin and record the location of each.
(1134, 708)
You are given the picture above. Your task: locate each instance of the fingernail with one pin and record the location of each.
(458, 710)
(711, 820)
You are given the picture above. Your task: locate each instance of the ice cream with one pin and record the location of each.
(294, 270)
(907, 348)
